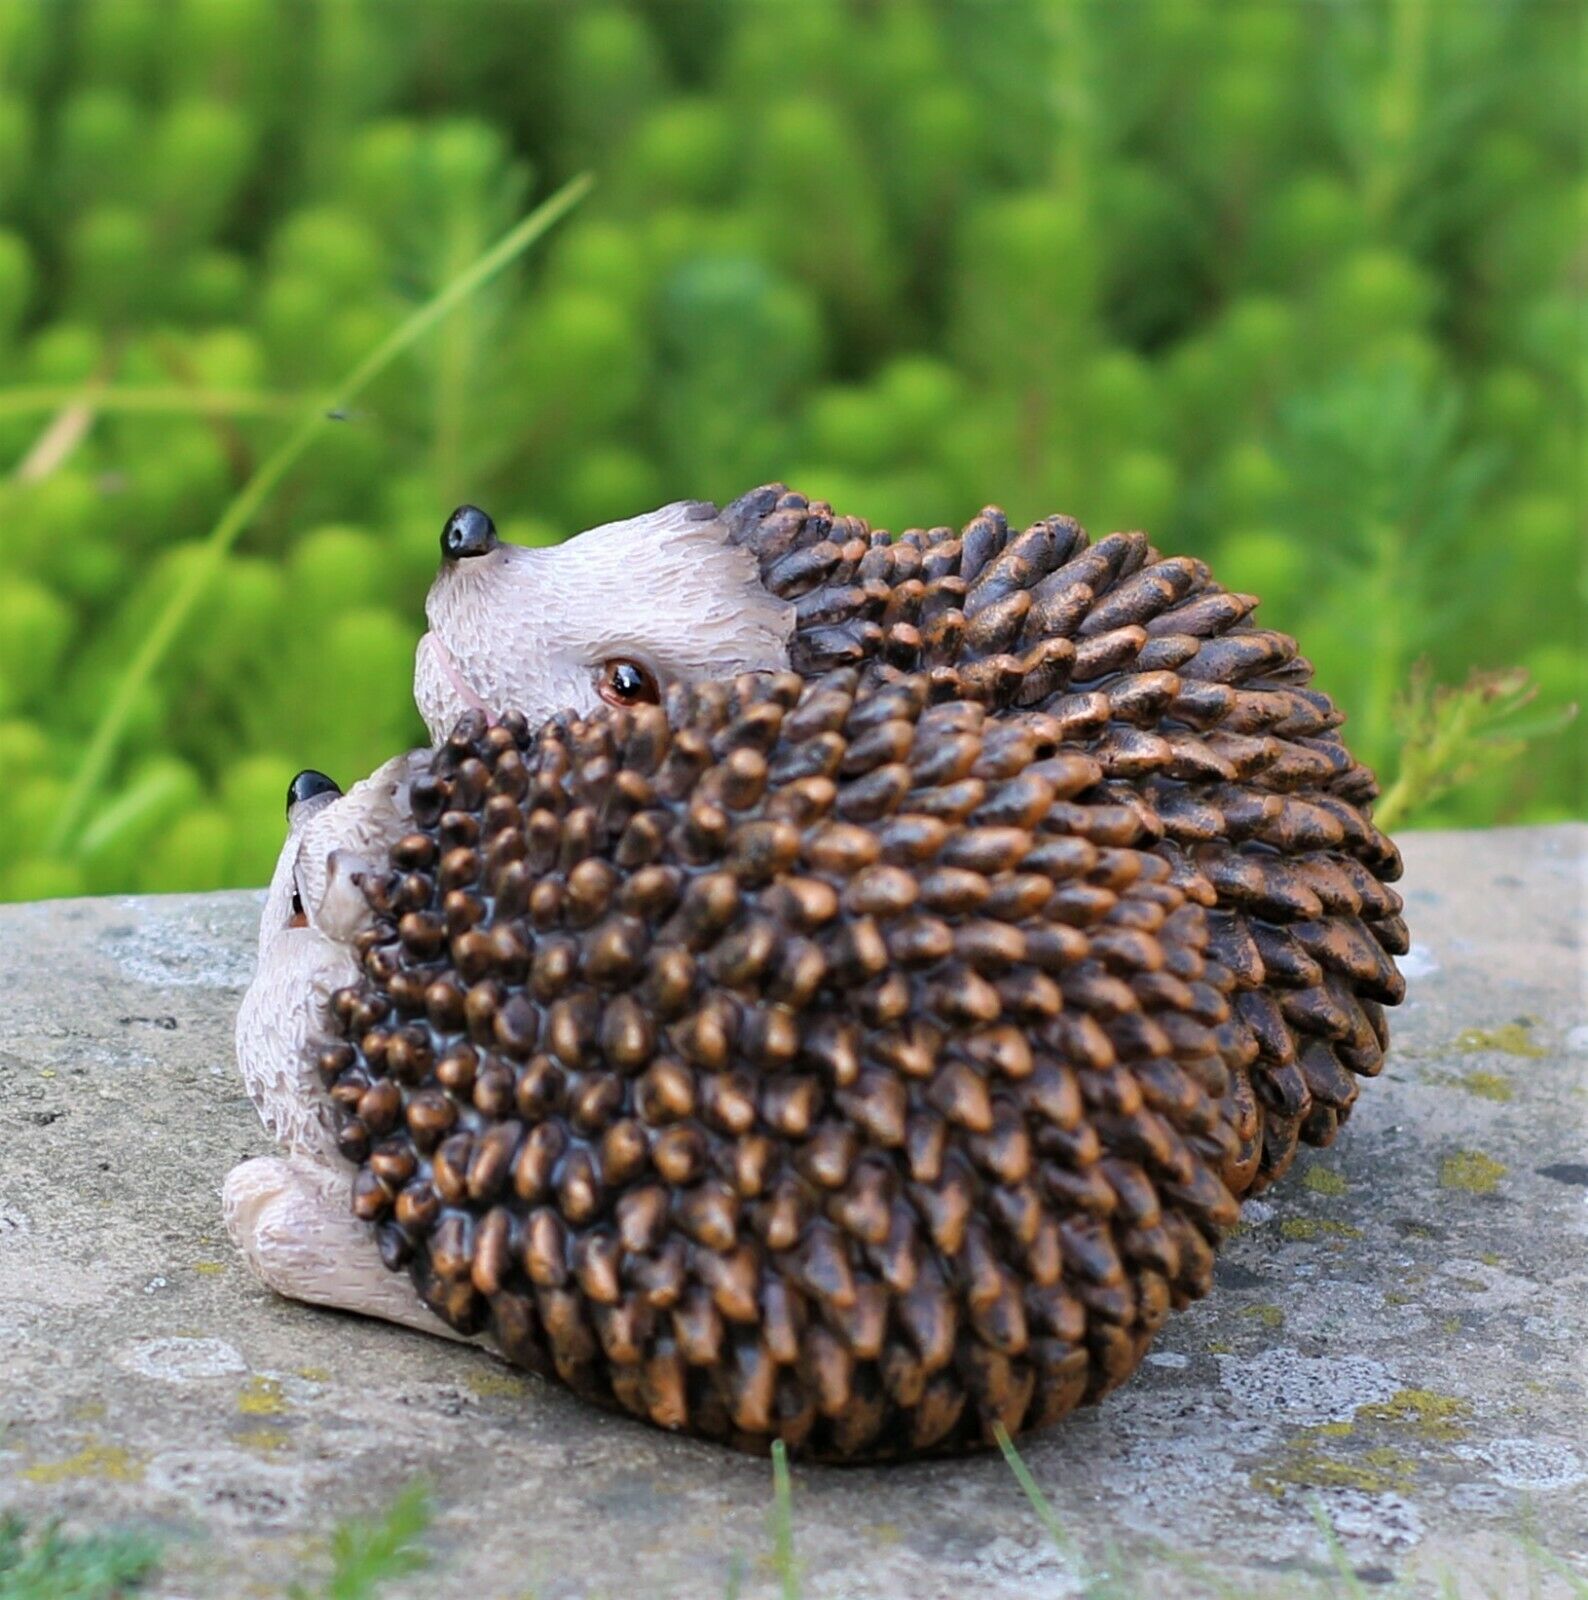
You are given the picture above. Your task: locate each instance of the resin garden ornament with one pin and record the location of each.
(820, 986)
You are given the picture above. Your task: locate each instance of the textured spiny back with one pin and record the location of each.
(1202, 721)
(803, 1061)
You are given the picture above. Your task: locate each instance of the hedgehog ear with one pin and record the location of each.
(308, 793)
(344, 912)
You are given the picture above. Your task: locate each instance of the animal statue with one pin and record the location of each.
(818, 985)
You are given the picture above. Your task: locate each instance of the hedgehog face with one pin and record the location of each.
(540, 630)
(313, 908)
(331, 837)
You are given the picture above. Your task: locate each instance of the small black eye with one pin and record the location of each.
(299, 920)
(627, 683)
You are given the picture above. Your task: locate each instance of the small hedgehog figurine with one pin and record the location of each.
(820, 986)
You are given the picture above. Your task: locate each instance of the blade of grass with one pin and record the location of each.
(26, 400)
(1343, 1570)
(1039, 1501)
(369, 1553)
(783, 1524)
(365, 1556)
(146, 798)
(1538, 1556)
(1197, 1575)
(100, 749)
(67, 429)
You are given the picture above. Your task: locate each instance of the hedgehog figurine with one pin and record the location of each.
(820, 986)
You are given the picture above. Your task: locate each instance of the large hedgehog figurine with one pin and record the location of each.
(821, 986)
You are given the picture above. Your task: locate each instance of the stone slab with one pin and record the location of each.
(1398, 1334)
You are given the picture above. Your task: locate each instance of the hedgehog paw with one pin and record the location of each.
(294, 1224)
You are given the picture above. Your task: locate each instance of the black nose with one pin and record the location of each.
(469, 532)
(307, 785)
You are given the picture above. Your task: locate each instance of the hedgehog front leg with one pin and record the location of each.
(293, 1221)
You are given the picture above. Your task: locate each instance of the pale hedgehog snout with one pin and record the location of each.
(870, 1052)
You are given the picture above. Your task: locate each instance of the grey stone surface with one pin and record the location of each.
(1398, 1332)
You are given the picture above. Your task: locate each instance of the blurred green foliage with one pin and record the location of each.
(1294, 287)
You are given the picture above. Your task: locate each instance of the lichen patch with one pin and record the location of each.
(1511, 1039)
(262, 1397)
(1308, 1229)
(267, 1441)
(1532, 1465)
(1424, 1412)
(1324, 1180)
(181, 1359)
(1305, 1389)
(1471, 1171)
(1487, 1086)
(1266, 1316)
(108, 1461)
(496, 1385)
(1305, 1465)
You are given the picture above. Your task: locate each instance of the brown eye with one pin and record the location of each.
(299, 919)
(627, 683)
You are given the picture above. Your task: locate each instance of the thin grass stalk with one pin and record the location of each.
(39, 399)
(100, 750)
(1538, 1557)
(1343, 1570)
(783, 1525)
(1039, 1501)
(1399, 106)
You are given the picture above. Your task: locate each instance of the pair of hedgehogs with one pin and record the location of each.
(820, 986)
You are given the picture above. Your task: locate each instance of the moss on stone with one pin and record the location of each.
(1487, 1086)
(1472, 1171)
(1427, 1413)
(1305, 1466)
(1268, 1316)
(1324, 1180)
(1310, 1228)
(92, 1461)
(261, 1397)
(1511, 1039)
(264, 1441)
(1316, 1457)
(496, 1385)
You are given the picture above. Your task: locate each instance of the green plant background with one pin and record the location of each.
(1295, 287)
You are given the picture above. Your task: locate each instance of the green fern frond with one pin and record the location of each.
(1452, 735)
